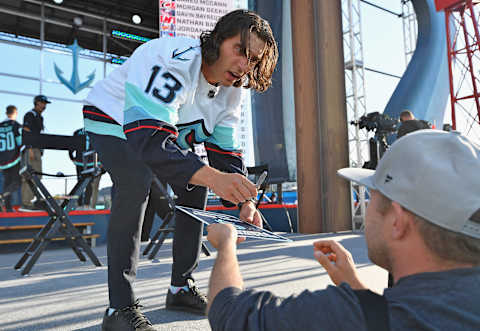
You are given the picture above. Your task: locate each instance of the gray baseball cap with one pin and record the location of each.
(434, 174)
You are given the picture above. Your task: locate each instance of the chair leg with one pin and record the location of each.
(59, 223)
(159, 244)
(154, 241)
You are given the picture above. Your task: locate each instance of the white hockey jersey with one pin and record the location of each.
(162, 80)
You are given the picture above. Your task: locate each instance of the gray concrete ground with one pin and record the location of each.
(64, 294)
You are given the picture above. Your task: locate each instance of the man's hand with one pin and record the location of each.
(223, 236)
(232, 187)
(226, 272)
(338, 262)
(250, 214)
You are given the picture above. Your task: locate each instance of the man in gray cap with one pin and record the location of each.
(33, 123)
(422, 225)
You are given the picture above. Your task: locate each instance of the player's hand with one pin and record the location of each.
(338, 263)
(232, 187)
(250, 214)
(222, 236)
(235, 188)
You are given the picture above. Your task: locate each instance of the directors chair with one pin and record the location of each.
(59, 224)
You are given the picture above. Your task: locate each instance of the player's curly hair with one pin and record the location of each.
(243, 22)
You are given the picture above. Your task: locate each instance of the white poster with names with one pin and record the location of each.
(191, 17)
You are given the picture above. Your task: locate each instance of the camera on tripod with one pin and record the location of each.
(380, 123)
(383, 126)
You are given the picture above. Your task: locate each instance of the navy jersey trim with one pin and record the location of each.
(150, 124)
(93, 113)
(217, 149)
(202, 122)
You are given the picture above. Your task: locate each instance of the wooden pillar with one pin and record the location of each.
(321, 116)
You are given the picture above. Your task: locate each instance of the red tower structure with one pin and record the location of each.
(463, 44)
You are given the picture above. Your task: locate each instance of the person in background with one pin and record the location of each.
(422, 225)
(10, 142)
(410, 124)
(33, 123)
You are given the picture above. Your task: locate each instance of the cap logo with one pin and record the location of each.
(388, 178)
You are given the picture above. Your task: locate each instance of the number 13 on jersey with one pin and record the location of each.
(171, 85)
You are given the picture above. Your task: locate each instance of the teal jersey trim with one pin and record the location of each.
(139, 107)
(11, 164)
(224, 137)
(200, 135)
(104, 128)
(18, 140)
(80, 164)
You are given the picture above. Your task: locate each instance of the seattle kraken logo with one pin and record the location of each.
(176, 55)
(74, 84)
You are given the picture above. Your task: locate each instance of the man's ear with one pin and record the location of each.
(401, 221)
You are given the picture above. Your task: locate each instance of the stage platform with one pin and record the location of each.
(65, 294)
(279, 216)
(99, 218)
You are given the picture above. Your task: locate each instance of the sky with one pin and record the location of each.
(60, 117)
(383, 51)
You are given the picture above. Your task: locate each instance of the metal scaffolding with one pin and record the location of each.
(355, 87)
(355, 100)
(410, 29)
(463, 38)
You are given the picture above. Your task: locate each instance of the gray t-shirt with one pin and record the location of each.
(447, 300)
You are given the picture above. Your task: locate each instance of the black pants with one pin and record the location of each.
(156, 205)
(12, 182)
(132, 179)
(86, 196)
(187, 239)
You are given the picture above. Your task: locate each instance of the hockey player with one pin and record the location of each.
(131, 118)
(10, 142)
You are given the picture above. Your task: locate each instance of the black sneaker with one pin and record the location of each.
(127, 319)
(192, 301)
